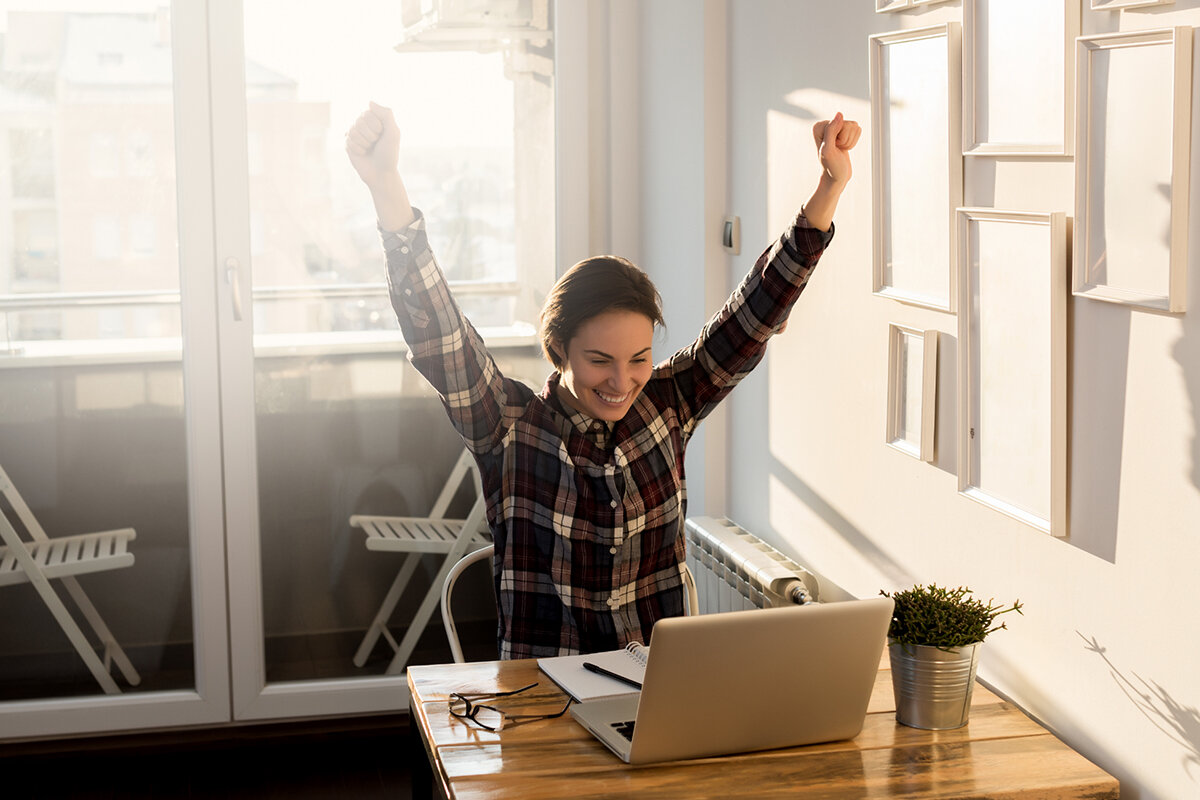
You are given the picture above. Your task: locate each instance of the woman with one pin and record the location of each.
(584, 480)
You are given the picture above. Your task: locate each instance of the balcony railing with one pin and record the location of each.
(16, 350)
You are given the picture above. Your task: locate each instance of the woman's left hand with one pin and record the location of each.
(835, 139)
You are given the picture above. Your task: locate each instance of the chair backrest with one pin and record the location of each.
(28, 520)
(482, 554)
(462, 468)
(485, 553)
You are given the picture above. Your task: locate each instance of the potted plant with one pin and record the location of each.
(933, 645)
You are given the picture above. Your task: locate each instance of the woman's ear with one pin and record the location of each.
(559, 351)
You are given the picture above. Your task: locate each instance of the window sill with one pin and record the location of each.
(104, 352)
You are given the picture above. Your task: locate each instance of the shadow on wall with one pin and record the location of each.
(1177, 722)
(894, 573)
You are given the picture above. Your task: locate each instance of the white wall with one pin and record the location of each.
(1107, 654)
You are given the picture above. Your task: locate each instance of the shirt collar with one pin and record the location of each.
(596, 430)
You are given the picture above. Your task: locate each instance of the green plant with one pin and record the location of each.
(943, 618)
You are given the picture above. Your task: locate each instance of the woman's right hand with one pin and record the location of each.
(373, 144)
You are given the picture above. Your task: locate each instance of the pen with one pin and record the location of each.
(590, 667)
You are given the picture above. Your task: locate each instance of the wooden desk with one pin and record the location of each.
(1001, 753)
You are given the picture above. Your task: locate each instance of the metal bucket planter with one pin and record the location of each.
(933, 687)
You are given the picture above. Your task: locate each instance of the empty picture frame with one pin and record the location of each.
(912, 390)
(1012, 364)
(882, 6)
(1133, 162)
(1018, 77)
(916, 181)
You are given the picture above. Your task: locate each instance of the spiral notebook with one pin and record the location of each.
(583, 684)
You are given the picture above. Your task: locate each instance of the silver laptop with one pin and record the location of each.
(747, 680)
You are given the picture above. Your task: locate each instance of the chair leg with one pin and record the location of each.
(73, 632)
(105, 635)
(433, 597)
(379, 624)
(55, 604)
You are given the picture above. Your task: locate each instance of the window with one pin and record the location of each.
(474, 96)
(104, 161)
(106, 237)
(142, 234)
(32, 155)
(139, 154)
(471, 109)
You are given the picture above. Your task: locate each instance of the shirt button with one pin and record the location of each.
(403, 249)
(613, 504)
(612, 550)
(612, 602)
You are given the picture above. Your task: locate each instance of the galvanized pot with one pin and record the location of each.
(933, 687)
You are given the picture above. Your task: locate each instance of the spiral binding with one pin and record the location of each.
(638, 652)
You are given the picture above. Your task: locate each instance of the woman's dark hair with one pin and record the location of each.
(592, 287)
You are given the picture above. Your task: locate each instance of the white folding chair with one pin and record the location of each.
(42, 559)
(415, 536)
(689, 589)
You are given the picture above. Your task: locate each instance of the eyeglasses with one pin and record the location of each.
(466, 705)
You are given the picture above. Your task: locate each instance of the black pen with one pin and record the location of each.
(590, 667)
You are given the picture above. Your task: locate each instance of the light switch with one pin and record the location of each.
(731, 235)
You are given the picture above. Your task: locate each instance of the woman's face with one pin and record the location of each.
(606, 364)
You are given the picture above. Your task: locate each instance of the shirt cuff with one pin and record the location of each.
(802, 222)
(401, 239)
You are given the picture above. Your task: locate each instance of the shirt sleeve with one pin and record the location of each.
(443, 345)
(735, 339)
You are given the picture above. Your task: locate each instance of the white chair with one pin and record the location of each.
(448, 591)
(415, 536)
(41, 559)
(689, 588)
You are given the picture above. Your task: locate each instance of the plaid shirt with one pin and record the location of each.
(587, 517)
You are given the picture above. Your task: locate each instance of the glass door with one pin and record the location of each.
(107, 366)
(340, 422)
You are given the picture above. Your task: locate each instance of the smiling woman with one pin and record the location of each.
(584, 480)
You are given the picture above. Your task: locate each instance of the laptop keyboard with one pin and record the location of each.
(625, 729)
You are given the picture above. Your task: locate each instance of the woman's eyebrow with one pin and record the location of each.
(603, 354)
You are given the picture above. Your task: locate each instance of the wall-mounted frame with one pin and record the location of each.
(1116, 5)
(1018, 77)
(912, 390)
(1012, 364)
(1133, 162)
(883, 6)
(927, 2)
(916, 180)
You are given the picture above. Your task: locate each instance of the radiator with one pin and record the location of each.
(736, 570)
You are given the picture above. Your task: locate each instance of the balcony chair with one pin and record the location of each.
(40, 559)
(415, 536)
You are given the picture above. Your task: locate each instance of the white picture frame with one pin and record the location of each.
(927, 2)
(1117, 5)
(1012, 364)
(916, 140)
(885, 6)
(1133, 166)
(912, 391)
(1019, 77)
